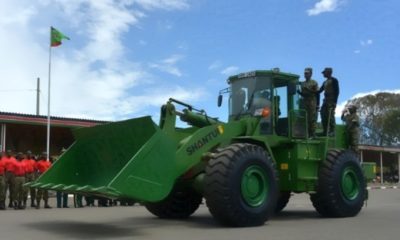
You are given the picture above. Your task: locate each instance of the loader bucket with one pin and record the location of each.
(127, 159)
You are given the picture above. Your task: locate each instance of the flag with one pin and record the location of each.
(56, 37)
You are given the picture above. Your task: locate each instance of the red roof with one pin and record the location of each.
(42, 120)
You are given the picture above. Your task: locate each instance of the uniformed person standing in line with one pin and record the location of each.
(78, 200)
(9, 162)
(330, 87)
(62, 197)
(350, 117)
(30, 176)
(42, 165)
(89, 201)
(309, 92)
(2, 184)
(19, 172)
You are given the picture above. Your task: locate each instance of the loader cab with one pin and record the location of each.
(251, 95)
(268, 95)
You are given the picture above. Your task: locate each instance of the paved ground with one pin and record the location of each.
(379, 220)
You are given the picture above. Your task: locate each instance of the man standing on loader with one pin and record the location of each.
(309, 92)
(331, 93)
(350, 117)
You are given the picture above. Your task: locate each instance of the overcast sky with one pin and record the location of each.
(126, 58)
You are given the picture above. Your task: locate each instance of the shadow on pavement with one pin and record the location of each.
(141, 226)
(195, 221)
(205, 221)
(83, 230)
(295, 215)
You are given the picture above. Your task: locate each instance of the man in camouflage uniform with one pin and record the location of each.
(8, 160)
(331, 93)
(30, 176)
(350, 117)
(42, 165)
(19, 172)
(309, 92)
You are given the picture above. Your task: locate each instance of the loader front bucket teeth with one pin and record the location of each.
(127, 159)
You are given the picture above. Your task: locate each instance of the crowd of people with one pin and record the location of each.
(18, 169)
(15, 170)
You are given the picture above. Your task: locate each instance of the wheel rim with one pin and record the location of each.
(350, 184)
(254, 186)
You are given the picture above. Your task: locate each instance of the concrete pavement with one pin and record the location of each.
(378, 220)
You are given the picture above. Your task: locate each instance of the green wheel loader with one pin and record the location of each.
(245, 169)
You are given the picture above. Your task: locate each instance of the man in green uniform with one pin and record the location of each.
(350, 117)
(309, 92)
(331, 93)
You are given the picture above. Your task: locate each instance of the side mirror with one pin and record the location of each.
(292, 88)
(219, 100)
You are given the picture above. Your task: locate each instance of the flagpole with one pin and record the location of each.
(48, 104)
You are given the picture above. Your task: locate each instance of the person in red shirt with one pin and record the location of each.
(42, 165)
(19, 172)
(30, 176)
(9, 161)
(2, 184)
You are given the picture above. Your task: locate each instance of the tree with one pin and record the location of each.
(379, 118)
(391, 127)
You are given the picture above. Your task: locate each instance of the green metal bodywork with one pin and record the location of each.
(142, 160)
(122, 160)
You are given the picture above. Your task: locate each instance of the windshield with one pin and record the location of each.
(249, 94)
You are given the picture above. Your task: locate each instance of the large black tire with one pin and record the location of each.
(181, 203)
(341, 188)
(283, 200)
(241, 185)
